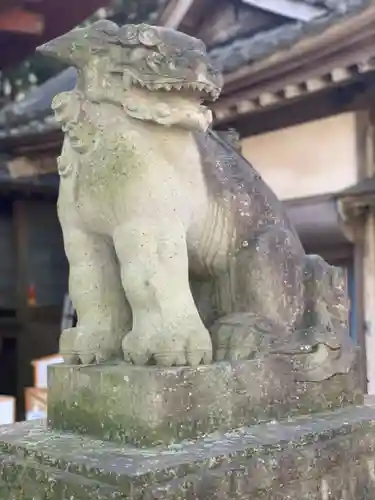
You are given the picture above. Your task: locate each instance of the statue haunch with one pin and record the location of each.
(178, 250)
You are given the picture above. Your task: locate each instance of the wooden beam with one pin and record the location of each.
(9, 4)
(311, 107)
(18, 20)
(288, 8)
(174, 15)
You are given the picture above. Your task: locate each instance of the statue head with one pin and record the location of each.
(152, 57)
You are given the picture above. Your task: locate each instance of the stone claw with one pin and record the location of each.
(85, 346)
(190, 348)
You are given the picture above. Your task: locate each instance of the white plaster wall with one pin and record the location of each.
(308, 159)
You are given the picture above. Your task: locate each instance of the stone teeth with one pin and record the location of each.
(195, 86)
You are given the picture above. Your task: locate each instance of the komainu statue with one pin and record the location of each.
(179, 252)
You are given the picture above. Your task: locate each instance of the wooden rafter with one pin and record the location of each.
(18, 20)
(175, 13)
(341, 55)
(288, 8)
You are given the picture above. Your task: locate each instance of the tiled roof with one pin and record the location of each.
(232, 56)
(33, 114)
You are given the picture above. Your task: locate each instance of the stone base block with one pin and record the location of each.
(326, 456)
(149, 406)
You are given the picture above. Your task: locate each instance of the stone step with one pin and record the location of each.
(330, 453)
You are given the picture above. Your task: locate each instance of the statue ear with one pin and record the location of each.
(148, 35)
(104, 27)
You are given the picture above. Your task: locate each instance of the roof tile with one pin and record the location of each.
(33, 114)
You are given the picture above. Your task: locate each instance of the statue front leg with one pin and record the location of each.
(95, 288)
(167, 328)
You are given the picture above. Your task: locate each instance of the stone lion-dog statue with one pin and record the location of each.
(178, 250)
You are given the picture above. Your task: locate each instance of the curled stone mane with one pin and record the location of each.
(156, 58)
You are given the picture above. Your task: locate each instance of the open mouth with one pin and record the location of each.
(204, 89)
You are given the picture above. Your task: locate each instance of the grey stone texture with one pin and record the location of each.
(320, 457)
(150, 405)
(194, 259)
(275, 416)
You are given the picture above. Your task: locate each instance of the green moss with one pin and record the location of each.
(337, 447)
(148, 406)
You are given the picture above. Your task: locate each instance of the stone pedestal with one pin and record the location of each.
(151, 406)
(327, 456)
(117, 431)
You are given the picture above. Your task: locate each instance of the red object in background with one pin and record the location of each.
(25, 24)
(31, 296)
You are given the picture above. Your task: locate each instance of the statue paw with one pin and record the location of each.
(244, 336)
(81, 345)
(183, 347)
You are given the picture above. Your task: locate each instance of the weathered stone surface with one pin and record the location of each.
(150, 405)
(326, 456)
(177, 259)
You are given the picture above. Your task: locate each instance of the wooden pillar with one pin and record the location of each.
(369, 298)
(367, 169)
(21, 246)
(358, 223)
(359, 298)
